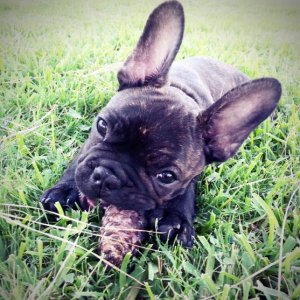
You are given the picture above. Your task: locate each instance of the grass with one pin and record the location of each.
(58, 69)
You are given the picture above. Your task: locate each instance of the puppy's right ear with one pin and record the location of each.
(157, 47)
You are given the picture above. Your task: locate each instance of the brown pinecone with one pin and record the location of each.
(119, 233)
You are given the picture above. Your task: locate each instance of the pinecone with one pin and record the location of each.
(120, 233)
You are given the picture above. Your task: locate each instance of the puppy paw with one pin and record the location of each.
(67, 195)
(169, 227)
(186, 236)
(172, 227)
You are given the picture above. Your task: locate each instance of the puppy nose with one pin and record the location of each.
(103, 178)
(98, 175)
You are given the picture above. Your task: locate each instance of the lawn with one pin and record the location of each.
(58, 68)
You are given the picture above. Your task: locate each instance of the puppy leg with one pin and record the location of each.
(175, 219)
(65, 191)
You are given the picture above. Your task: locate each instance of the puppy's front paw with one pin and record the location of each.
(67, 195)
(186, 235)
(172, 227)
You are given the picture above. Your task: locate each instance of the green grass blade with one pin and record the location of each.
(273, 223)
(125, 262)
(271, 292)
(294, 255)
(296, 292)
(244, 242)
(225, 293)
(149, 291)
(40, 249)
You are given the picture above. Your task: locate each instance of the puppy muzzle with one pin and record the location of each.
(102, 177)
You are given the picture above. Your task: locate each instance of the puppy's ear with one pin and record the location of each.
(157, 47)
(229, 121)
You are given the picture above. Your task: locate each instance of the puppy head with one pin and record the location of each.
(149, 142)
(140, 150)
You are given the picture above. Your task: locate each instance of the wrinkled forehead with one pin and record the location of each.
(150, 98)
(151, 108)
(154, 116)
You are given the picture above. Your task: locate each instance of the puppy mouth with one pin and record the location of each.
(142, 202)
(87, 203)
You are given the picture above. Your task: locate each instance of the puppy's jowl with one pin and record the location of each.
(167, 121)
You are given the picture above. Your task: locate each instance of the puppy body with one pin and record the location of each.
(166, 123)
(204, 79)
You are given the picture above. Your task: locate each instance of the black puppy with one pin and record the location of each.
(165, 124)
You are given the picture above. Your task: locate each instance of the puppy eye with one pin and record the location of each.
(166, 177)
(102, 127)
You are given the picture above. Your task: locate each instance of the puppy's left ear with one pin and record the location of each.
(156, 49)
(230, 120)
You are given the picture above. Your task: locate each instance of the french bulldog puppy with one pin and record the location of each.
(167, 121)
